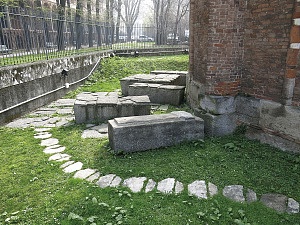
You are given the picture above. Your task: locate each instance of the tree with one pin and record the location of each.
(161, 16)
(90, 27)
(118, 8)
(78, 23)
(182, 8)
(131, 13)
(98, 28)
(61, 6)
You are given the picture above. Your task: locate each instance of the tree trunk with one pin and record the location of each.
(90, 27)
(78, 24)
(61, 5)
(118, 20)
(98, 28)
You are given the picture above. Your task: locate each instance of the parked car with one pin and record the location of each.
(171, 41)
(50, 45)
(4, 49)
(144, 38)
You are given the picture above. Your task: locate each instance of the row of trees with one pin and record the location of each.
(167, 16)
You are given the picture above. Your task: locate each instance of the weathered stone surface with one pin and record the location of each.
(158, 93)
(293, 206)
(168, 79)
(234, 192)
(65, 111)
(217, 125)
(135, 184)
(73, 167)
(59, 157)
(102, 106)
(248, 109)
(102, 128)
(41, 129)
(83, 174)
(251, 196)
(166, 186)
(198, 189)
(49, 142)
(93, 177)
(116, 182)
(106, 180)
(43, 135)
(275, 201)
(66, 164)
(218, 105)
(93, 134)
(130, 134)
(51, 150)
(212, 189)
(150, 185)
(178, 187)
(179, 81)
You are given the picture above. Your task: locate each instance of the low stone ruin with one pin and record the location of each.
(139, 133)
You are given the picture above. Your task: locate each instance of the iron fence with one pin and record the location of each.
(27, 36)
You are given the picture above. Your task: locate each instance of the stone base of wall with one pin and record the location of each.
(268, 121)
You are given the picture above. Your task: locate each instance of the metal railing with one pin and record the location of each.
(28, 36)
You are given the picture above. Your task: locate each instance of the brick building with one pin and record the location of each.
(244, 67)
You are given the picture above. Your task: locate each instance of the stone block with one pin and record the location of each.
(217, 125)
(248, 109)
(102, 106)
(158, 93)
(277, 202)
(131, 134)
(167, 79)
(181, 81)
(218, 104)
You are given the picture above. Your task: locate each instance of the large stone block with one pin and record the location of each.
(248, 109)
(131, 134)
(181, 81)
(168, 79)
(218, 104)
(158, 93)
(217, 125)
(102, 106)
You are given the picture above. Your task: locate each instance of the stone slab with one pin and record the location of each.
(135, 184)
(166, 186)
(93, 177)
(167, 79)
(178, 187)
(212, 189)
(217, 125)
(52, 150)
(73, 167)
(150, 185)
(277, 202)
(198, 189)
(139, 133)
(83, 174)
(251, 196)
(234, 192)
(293, 206)
(158, 93)
(218, 105)
(102, 106)
(116, 182)
(43, 135)
(106, 180)
(182, 75)
(66, 164)
(59, 157)
(93, 134)
(49, 142)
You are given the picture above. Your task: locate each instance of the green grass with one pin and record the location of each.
(35, 191)
(106, 78)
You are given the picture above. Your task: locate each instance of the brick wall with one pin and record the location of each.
(266, 43)
(244, 46)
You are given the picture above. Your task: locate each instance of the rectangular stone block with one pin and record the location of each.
(140, 133)
(102, 106)
(158, 93)
(218, 125)
(218, 104)
(248, 109)
(181, 81)
(168, 79)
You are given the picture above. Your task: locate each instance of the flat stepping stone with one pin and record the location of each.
(198, 189)
(277, 202)
(93, 134)
(116, 182)
(166, 186)
(65, 111)
(59, 157)
(234, 192)
(163, 107)
(135, 184)
(106, 180)
(102, 128)
(43, 135)
(150, 185)
(74, 167)
(251, 196)
(49, 142)
(212, 189)
(83, 174)
(66, 164)
(41, 129)
(293, 206)
(62, 102)
(178, 187)
(53, 150)
(93, 177)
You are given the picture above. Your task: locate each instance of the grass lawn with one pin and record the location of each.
(35, 191)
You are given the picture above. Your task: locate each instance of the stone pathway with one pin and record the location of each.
(201, 189)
